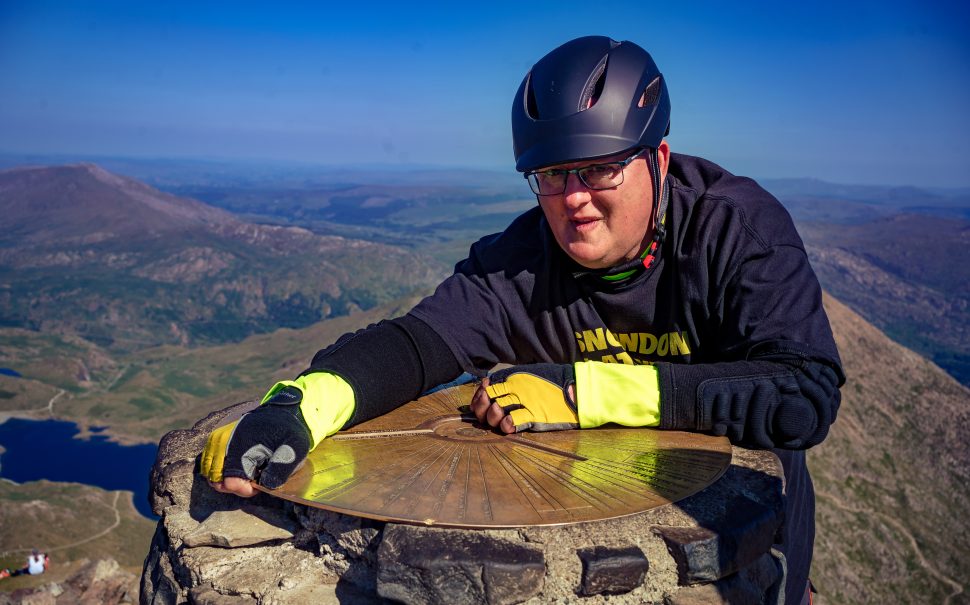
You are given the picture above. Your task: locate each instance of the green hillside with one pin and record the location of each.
(142, 395)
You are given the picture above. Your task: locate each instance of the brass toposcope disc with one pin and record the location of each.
(427, 463)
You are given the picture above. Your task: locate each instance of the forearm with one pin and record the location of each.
(388, 364)
(768, 403)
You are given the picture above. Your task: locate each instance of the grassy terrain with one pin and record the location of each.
(207, 295)
(141, 396)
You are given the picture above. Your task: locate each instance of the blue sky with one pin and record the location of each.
(855, 92)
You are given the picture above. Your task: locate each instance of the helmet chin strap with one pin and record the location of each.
(661, 195)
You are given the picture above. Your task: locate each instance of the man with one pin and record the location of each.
(648, 289)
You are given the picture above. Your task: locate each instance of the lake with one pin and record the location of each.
(46, 449)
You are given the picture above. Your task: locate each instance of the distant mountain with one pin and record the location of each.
(118, 262)
(409, 212)
(906, 274)
(83, 204)
(816, 200)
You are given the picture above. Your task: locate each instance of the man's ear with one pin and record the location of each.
(663, 157)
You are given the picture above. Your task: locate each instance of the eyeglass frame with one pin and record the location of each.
(579, 174)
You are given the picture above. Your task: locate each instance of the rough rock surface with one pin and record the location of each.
(714, 547)
(235, 528)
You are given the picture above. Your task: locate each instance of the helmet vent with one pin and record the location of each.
(651, 93)
(594, 86)
(531, 108)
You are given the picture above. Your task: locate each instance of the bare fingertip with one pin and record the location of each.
(507, 425)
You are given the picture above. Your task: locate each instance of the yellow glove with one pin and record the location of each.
(270, 442)
(536, 396)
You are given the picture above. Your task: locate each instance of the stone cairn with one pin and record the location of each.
(214, 549)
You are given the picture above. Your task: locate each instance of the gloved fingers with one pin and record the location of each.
(496, 390)
(497, 415)
(214, 453)
(280, 466)
(246, 464)
(531, 390)
(522, 418)
(269, 436)
(270, 468)
(515, 401)
(488, 411)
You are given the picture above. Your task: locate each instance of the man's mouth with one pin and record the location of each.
(584, 223)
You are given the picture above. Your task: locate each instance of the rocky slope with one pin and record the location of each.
(893, 477)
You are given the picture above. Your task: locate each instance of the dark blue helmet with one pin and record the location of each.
(589, 98)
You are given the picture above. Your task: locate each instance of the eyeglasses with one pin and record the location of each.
(594, 176)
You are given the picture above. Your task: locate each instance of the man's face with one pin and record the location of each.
(600, 229)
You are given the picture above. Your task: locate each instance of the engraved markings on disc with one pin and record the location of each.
(427, 463)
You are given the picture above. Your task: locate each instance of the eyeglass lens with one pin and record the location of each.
(597, 176)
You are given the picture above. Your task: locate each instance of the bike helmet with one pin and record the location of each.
(591, 97)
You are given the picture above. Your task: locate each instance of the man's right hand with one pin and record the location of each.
(264, 446)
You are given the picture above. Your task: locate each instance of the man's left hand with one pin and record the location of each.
(533, 397)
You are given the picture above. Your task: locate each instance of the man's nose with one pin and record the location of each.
(576, 193)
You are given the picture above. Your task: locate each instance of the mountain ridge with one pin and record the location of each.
(87, 204)
(113, 259)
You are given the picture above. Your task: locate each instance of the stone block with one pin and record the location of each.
(761, 582)
(159, 583)
(452, 567)
(351, 537)
(726, 544)
(612, 570)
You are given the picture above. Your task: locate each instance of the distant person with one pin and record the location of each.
(646, 289)
(37, 564)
